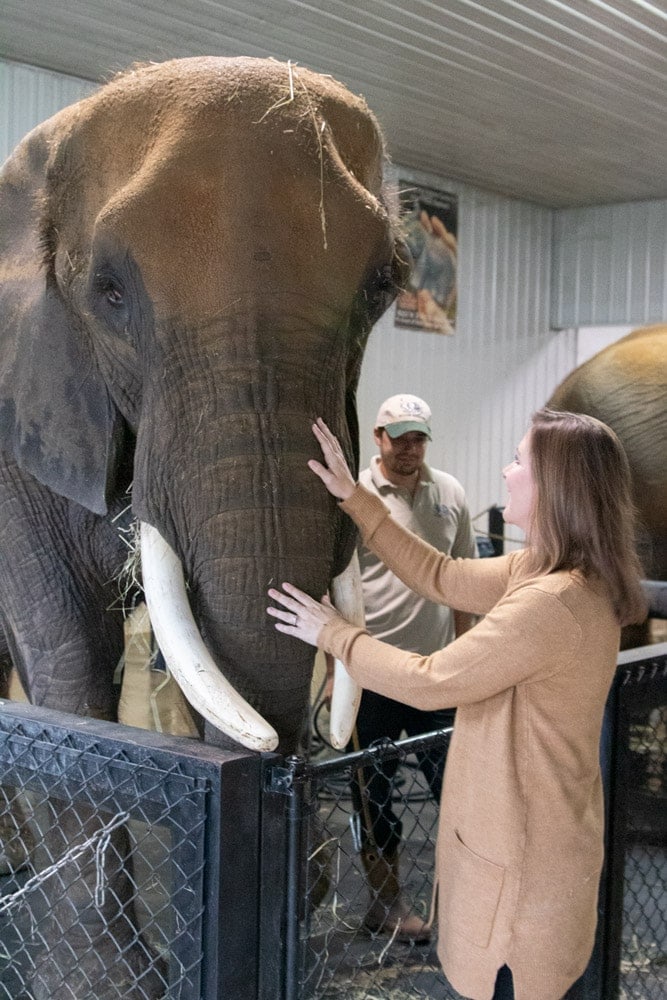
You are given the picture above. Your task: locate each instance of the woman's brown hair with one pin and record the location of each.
(584, 517)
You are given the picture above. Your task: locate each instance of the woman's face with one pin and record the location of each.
(520, 487)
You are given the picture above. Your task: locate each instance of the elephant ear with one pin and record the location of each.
(56, 415)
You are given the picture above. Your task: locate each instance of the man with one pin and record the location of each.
(432, 504)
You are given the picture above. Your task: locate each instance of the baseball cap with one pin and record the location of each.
(403, 413)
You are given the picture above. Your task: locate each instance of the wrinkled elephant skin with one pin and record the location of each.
(191, 261)
(625, 385)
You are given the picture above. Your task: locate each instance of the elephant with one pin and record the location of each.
(625, 385)
(191, 261)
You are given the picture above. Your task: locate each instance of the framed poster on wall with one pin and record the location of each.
(429, 221)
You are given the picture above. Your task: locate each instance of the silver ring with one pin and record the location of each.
(296, 620)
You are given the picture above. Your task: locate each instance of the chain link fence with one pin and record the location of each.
(357, 894)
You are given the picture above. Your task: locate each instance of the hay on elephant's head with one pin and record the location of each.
(319, 126)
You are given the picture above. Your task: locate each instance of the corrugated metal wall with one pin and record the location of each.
(29, 96)
(610, 264)
(604, 265)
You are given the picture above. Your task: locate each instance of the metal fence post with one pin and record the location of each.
(497, 530)
(295, 888)
(283, 878)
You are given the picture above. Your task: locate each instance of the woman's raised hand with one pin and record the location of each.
(335, 473)
(298, 614)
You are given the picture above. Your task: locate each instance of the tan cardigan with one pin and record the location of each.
(520, 842)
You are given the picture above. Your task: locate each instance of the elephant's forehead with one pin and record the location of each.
(208, 114)
(220, 72)
(221, 175)
(218, 84)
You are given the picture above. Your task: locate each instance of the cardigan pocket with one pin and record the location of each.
(470, 890)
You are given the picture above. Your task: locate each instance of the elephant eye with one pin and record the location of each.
(111, 290)
(109, 300)
(114, 295)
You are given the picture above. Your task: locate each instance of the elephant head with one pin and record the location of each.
(191, 261)
(625, 385)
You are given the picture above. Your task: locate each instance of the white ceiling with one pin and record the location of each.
(559, 103)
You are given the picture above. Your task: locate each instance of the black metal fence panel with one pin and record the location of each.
(115, 874)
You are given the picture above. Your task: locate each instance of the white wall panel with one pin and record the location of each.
(501, 364)
(29, 96)
(610, 264)
(592, 339)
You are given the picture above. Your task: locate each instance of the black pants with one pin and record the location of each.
(504, 985)
(381, 718)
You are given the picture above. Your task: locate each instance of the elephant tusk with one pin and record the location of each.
(347, 597)
(188, 659)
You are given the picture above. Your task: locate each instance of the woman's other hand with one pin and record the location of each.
(300, 615)
(335, 473)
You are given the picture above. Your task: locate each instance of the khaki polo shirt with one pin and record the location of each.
(438, 514)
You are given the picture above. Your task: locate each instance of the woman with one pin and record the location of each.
(520, 841)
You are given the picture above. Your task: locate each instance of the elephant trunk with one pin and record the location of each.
(245, 515)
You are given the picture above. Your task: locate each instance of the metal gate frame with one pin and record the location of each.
(288, 805)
